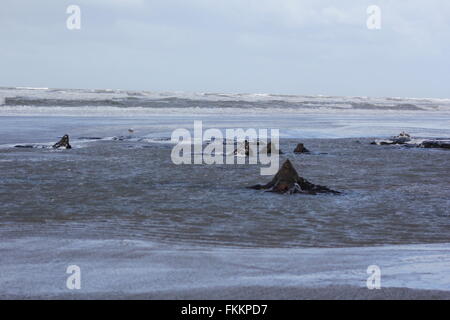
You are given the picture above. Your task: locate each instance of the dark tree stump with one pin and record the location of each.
(287, 180)
(301, 149)
(63, 143)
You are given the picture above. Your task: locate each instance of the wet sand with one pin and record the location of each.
(33, 268)
(258, 293)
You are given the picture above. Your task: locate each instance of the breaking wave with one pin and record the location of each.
(29, 99)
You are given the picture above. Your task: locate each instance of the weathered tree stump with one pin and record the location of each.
(301, 149)
(287, 180)
(63, 143)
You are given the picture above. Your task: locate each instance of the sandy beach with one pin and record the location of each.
(35, 269)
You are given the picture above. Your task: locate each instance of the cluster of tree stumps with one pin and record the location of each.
(287, 180)
(405, 139)
(245, 149)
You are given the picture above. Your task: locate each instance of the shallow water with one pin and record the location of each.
(130, 189)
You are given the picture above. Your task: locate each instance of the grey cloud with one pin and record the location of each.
(287, 46)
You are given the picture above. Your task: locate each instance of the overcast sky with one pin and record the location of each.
(259, 46)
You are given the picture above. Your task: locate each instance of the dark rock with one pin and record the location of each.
(63, 143)
(445, 144)
(269, 149)
(122, 138)
(402, 138)
(24, 146)
(301, 149)
(405, 140)
(89, 138)
(288, 180)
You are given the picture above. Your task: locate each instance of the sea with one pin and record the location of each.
(118, 199)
